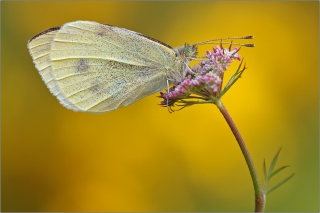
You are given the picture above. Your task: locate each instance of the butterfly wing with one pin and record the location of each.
(97, 68)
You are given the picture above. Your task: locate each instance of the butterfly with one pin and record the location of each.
(93, 67)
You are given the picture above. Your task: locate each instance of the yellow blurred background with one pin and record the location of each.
(141, 158)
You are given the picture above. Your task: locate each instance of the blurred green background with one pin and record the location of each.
(141, 158)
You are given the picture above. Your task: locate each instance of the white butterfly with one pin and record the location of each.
(92, 67)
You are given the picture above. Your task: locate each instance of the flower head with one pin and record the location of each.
(203, 83)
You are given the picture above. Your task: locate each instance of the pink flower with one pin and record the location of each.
(204, 82)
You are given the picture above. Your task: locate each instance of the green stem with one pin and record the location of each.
(259, 195)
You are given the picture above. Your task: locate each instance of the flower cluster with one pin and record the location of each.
(203, 82)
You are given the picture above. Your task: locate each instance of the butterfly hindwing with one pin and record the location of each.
(96, 68)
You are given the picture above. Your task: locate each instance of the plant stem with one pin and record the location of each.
(259, 195)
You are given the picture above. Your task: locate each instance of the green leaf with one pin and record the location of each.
(268, 175)
(264, 169)
(273, 163)
(265, 176)
(278, 170)
(279, 184)
(233, 79)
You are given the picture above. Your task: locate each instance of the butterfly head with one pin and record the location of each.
(187, 52)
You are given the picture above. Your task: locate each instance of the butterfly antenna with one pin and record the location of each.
(219, 41)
